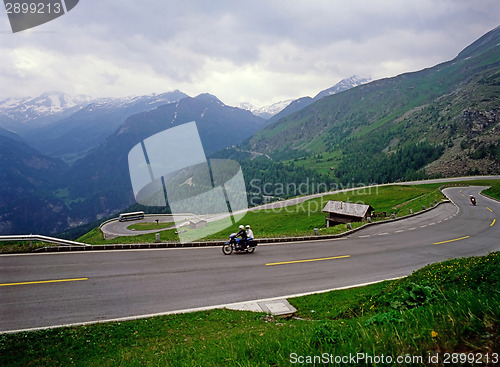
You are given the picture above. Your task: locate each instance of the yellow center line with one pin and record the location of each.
(489, 209)
(309, 260)
(44, 281)
(493, 223)
(456, 239)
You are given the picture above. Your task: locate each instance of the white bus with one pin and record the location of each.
(130, 216)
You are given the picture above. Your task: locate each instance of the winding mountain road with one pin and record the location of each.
(50, 289)
(114, 228)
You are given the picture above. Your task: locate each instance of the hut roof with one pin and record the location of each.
(345, 208)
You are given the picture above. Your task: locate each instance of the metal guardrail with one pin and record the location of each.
(35, 237)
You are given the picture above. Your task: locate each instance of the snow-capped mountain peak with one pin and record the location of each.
(269, 111)
(265, 112)
(26, 113)
(42, 108)
(343, 85)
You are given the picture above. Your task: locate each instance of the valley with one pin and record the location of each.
(67, 168)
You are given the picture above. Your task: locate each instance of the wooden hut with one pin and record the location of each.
(343, 212)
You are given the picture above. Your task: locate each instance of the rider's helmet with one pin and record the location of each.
(248, 226)
(241, 227)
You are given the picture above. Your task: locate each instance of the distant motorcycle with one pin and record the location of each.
(472, 200)
(239, 245)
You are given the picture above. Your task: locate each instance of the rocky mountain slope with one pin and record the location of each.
(303, 102)
(28, 181)
(453, 107)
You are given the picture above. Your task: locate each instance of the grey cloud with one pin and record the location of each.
(185, 41)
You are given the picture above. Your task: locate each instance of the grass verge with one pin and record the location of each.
(22, 246)
(493, 191)
(448, 307)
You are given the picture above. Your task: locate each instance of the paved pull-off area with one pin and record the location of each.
(278, 307)
(54, 289)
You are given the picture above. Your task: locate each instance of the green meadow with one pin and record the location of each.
(301, 219)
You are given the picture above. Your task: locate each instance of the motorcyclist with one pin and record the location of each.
(249, 232)
(472, 199)
(243, 234)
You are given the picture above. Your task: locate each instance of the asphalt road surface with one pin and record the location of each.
(115, 228)
(42, 290)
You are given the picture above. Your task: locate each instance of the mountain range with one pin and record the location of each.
(23, 114)
(278, 110)
(303, 102)
(65, 156)
(65, 127)
(64, 160)
(98, 184)
(101, 181)
(451, 111)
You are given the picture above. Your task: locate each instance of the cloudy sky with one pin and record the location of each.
(241, 51)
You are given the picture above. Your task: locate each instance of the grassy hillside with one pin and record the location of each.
(448, 310)
(493, 191)
(295, 220)
(301, 219)
(447, 114)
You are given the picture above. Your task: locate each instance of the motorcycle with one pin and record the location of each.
(237, 244)
(473, 200)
